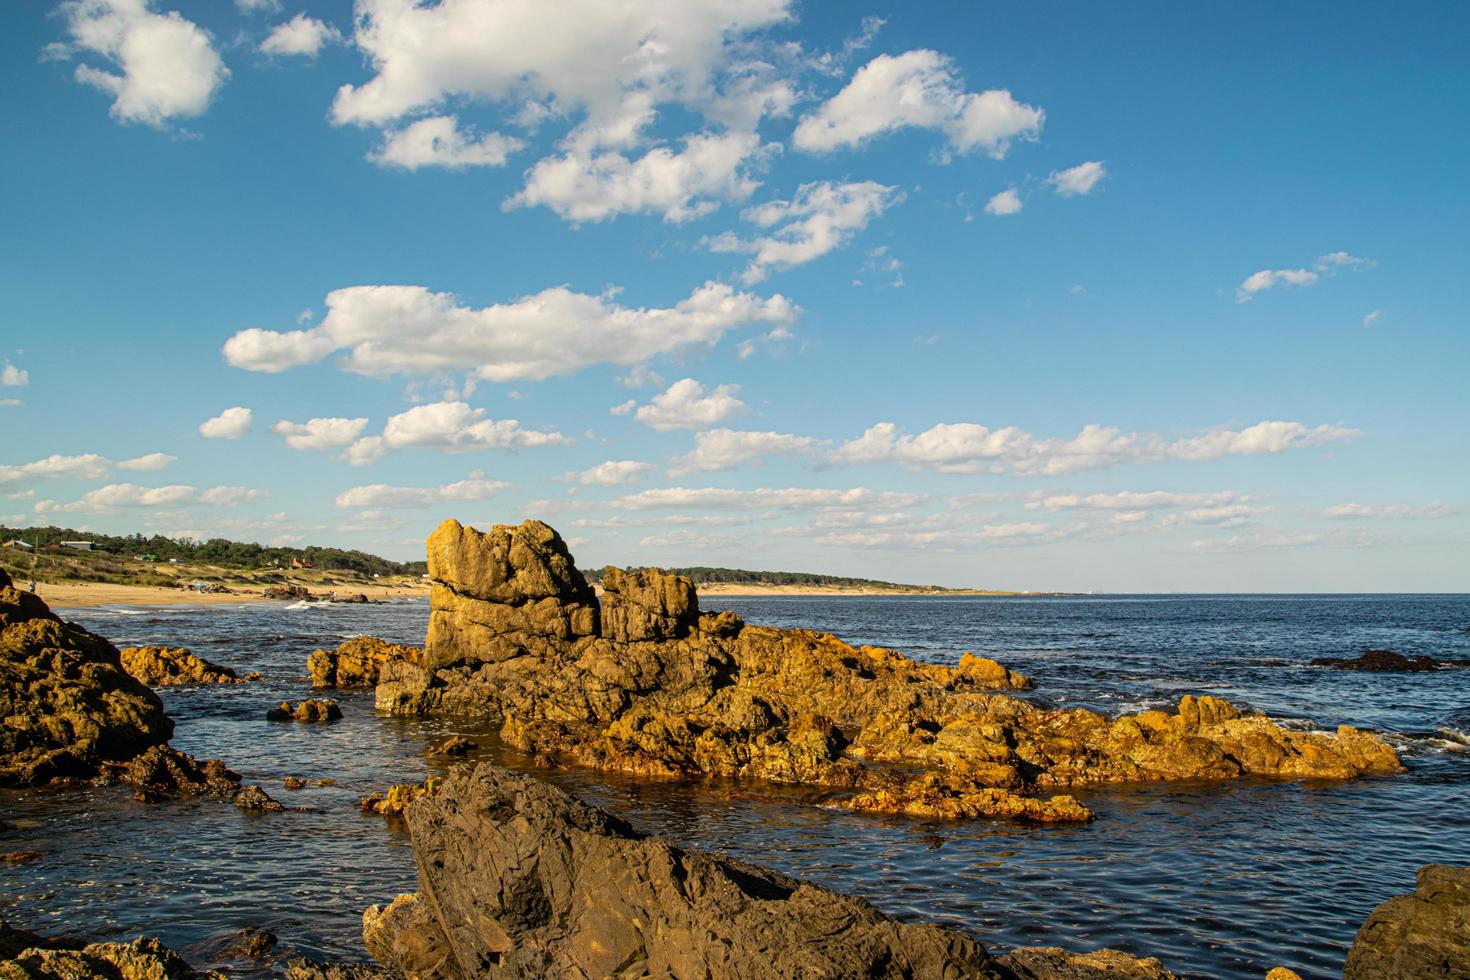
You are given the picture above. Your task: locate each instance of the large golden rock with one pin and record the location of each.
(165, 666)
(66, 704)
(357, 662)
(647, 604)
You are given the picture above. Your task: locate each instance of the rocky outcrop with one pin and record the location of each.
(163, 772)
(26, 956)
(357, 662)
(649, 684)
(312, 709)
(1426, 934)
(66, 704)
(1050, 963)
(163, 666)
(391, 802)
(1388, 661)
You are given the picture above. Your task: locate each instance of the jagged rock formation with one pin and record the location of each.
(1050, 963)
(519, 880)
(162, 666)
(391, 802)
(67, 704)
(312, 709)
(1426, 934)
(163, 772)
(647, 683)
(26, 956)
(1388, 661)
(357, 662)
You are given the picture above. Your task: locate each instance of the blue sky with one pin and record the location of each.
(1049, 296)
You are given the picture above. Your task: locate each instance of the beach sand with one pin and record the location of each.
(86, 595)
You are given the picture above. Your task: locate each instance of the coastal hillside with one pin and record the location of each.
(736, 579)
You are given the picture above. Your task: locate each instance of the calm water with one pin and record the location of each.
(1217, 880)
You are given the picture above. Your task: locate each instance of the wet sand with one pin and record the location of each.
(88, 595)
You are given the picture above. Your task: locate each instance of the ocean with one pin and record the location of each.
(1216, 879)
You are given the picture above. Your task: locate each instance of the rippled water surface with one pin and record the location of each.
(1221, 880)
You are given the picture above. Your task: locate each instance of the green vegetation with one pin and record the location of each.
(138, 559)
(704, 575)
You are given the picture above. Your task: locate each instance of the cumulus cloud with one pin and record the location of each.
(946, 538)
(320, 434)
(232, 423)
(438, 141)
(676, 185)
(116, 496)
(14, 377)
(819, 218)
(766, 498)
(150, 462)
(1324, 266)
(685, 405)
(610, 60)
(1078, 180)
(383, 496)
(1006, 202)
(1350, 512)
(970, 448)
(163, 67)
(301, 36)
(688, 540)
(88, 466)
(918, 89)
(410, 330)
(725, 449)
(614, 472)
(452, 426)
(1132, 500)
(1273, 540)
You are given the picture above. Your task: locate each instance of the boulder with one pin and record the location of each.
(1050, 963)
(1425, 934)
(392, 801)
(356, 662)
(163, 772)
(647, 604)
(67, 703)
(164, 666)
(518, 879)
(312, 709)
(1388, 661)
(651, 685)
(26, 956)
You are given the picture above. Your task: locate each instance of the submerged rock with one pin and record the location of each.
(312, 709)
(1425, 934)
(648, 684)
(456, 746)
(163, 666)
(356, 662)
(68, 706)
(1388, 661)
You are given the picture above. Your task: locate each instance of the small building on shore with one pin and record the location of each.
(80, 545)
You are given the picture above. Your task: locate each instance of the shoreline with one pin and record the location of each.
(92, 595)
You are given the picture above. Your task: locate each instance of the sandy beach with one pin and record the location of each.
(86, 595)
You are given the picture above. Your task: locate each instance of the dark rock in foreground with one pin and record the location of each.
(68, 706)
(26, 956)
(1423, 935)
(1388, 661)
(518, 879)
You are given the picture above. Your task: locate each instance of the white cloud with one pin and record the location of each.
(88, 466)
(116, 496)
(150, 462)
(439, 142)
(611, 60)
(1006, 202)
(677, 185)
(819, 218)
(614, 472)
(302, 36)
(970, 448)
(1272, 540)
(451, 426)
(1371, 511)
(384, 496)
(918, 89)
(686, 406)
(946, 539)
(258, 6)
(1372, 317)
(410, 330)
(232, 423)
(1078, 180)
(725, 449)
(623, 408)
(766, 498)
(1130, 500)
(319, 434)
(687, 539)
(10, 402)
(14, 377)
(1325, 265)
(166, 66)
